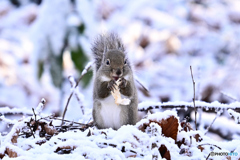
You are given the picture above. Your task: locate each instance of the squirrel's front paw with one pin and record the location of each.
(111, 85)
(123, 83)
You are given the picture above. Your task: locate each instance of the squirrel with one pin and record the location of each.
(112, 64)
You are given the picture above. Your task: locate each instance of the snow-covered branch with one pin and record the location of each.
(144, 106)
(235, 115)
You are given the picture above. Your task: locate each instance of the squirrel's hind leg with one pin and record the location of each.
(98, 120)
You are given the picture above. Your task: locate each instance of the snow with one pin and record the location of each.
(87, 67)
(40, 106)
(235, 115)
(5, 110)
(108, 143)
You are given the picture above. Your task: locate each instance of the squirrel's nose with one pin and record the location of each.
(118, 72)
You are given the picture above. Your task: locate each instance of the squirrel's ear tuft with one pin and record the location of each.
(115, 42)
(103, 43)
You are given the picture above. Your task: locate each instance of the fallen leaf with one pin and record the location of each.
(15, 136)
(65, 149)
(201, 148)
(164, 152)
(198, 137)
(186, 126)
(169, 126)
(49, 130)
(11, 153)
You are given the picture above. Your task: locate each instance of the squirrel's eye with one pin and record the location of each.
(108, 62)
(125, 61)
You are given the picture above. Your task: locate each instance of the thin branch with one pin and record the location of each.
(28, 124)
(86, 69)
(229, 96)
(218, 114)
(65, 120)
(210, 145)
(194, 98)
(34, 114)
(123, 148)
(73, 83)
(144, 88)
(235, 115)
(208, 156)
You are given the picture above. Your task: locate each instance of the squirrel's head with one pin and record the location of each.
(115, 64)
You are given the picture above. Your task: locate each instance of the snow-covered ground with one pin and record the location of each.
(163, 39)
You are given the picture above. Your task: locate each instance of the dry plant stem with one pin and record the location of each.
(69, 98)
(77, 97)
(228, 96)
(210, 145)
(66, 120)
(194, 98)
(31, 130)
(142, 85)
(123, 148)
(34, 114)
(208, 156)
(211, 124)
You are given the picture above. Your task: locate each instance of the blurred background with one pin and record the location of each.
(42, 42)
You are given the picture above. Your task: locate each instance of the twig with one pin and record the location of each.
(218, 114)
(28, 124)
(144, 88)
(123, 149)
(194, 98)
(34, 114)
(86, 69)
(229, 96)
(235, 115)
(210, 145)
(66, 120)
(73, 83)
(208, 156)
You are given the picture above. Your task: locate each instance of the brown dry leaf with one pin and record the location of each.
(49, 130)
(40, 142)
(1, 156)
(132, 156)
(65, 149)
(198, 137)
(15, 136)
(164, 152)
(179, 143)
(186, 126)
(201, 148)
(169, 126)
(11, 153)
(229, 158)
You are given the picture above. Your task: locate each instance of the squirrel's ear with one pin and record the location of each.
(105, 49)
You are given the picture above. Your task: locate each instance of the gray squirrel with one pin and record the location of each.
(111, 64)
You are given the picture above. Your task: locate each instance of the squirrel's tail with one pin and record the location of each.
(103, 44)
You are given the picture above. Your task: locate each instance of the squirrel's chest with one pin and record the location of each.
(110, 112)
